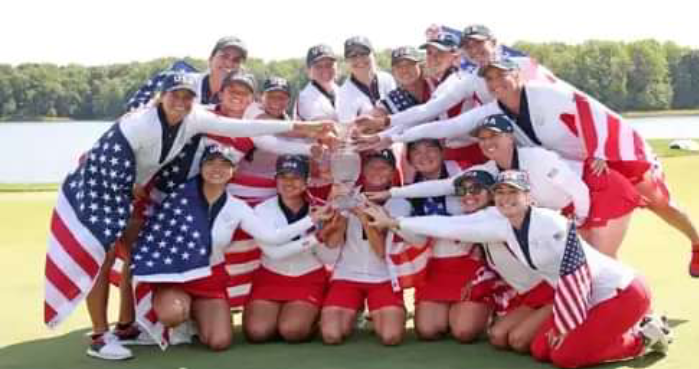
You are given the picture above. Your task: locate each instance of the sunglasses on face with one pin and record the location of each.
(472, 189)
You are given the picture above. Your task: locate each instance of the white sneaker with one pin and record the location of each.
(656, 333)
(108, 347)
(134, 336)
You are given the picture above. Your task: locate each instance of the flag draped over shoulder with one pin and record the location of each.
(146, 92)
(572, 296)
(605, 134)
(175, 242)
(93, 206)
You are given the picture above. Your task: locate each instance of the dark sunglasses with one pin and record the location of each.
(473, 189)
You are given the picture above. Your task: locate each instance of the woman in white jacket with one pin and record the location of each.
(288, 289)
(543, 241)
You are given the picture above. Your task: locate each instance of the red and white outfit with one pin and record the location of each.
(360, 274)
(228, 214)
(604, 335)
(557, 184)
(464, 87)
(287, 272)
(568, 122)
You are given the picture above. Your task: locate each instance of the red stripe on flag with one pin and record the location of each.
(611, 147)
(587, 124)
(253, 181)
(639, 147)
(243, 257)
(240, 235)
(152, 316)
(142, 290)
(49, 313)
(72, 247)
(569, 121)
(410, 253)
(61, 281)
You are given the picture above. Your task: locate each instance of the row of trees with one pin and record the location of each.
(643, 75)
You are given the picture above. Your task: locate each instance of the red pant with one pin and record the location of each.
(604, 336)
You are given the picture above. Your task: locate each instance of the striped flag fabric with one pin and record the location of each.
(572, 296)
(407, 263)
(93, 207)
(605, 134)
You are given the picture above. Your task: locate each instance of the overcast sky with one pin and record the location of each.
(104, 32)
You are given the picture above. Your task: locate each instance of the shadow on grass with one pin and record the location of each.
(361, 351)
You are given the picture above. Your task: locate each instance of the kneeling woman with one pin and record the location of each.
(542, 240)
(289, 288)
(180, 250)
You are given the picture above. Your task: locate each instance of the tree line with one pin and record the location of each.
(639, 76)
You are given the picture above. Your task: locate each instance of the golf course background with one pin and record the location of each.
(660, 253)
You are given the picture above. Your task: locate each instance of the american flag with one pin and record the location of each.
(434, 206)
(173, 246)
(399, 100)
(93, 206)
(572, 297)
(146, 92)
(505, 51)
(175, 242)
(181, 168)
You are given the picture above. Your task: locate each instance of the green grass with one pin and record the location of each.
(28, 187)
(652, 247)
(661, 113)
(661, 147)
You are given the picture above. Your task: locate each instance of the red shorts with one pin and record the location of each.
(351, 295)
(611, 196)
(211, 287)
(448, 279)
(271, 286)
(635, 171)
(541, 295)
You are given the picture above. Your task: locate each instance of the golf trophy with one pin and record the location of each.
(345, 165)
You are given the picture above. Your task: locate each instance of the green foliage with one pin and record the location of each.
(639, 76)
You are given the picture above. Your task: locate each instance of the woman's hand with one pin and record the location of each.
(599, 167)
(378, 196)
(316, 129)
(321, 214)
(378, 217)
(371, 142)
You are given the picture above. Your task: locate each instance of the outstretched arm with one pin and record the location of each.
(460, 125)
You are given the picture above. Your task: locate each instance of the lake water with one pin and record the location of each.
(45, 152)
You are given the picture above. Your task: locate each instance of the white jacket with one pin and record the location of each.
(296, 257)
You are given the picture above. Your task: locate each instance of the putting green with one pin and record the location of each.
(653, 248)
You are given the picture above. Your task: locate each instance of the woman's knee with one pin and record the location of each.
(257, 332)
(428, 332)
(391, 336)
(466, 333)
(172, 311)
(519, 341)
(497, 336)
(217, 340)
(295, 331)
